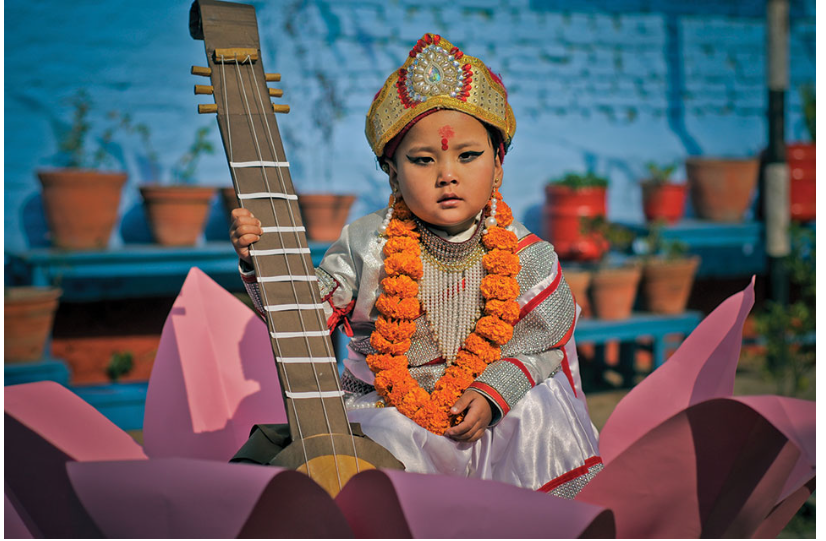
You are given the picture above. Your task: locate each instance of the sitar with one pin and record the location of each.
(321, 441)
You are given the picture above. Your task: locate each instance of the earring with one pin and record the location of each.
(490, 221)
(389, 215)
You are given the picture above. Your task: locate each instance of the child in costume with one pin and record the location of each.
(461, 360)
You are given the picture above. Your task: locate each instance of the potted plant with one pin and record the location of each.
(615, 278)
(721, 188)
(79, 199)
(667, 273)
(324, 214)
(661, 199)
(579, 280)
(802, 159)
(29, 315)
(568, 200)
(177, 212)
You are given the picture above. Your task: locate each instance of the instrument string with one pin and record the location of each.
(257, 269)
(283, 188)
(260, 157)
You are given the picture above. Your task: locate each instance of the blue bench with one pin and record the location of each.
(659, 329)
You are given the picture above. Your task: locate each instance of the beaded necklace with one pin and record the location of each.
(399, 306)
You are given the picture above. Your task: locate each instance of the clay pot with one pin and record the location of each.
(666, 285)
(29, 315)
(663, 201)
(177, 214)
(578, 281)
(613, 291)
(324, 215)
(229, 198)
(721, 189)
(564, 209)
(81, 206)
(802, 168)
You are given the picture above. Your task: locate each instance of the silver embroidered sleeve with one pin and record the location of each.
(508, 381)
(549, 321)
(253, 289)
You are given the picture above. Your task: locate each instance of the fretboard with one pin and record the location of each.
(261, 175)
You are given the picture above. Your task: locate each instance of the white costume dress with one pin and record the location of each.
(541, 436)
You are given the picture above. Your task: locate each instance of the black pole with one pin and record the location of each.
(775, 176)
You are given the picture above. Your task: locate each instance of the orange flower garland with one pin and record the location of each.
(399, 307)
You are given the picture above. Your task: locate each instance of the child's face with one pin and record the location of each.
(446, 169)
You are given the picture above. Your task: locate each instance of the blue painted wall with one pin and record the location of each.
(602, 84)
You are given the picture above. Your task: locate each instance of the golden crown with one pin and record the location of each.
(437, 75)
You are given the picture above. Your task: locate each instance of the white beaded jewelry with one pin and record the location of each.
(388, 216)
(490, 221)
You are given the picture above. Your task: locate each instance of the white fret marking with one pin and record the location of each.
(312, 278)
(278, 335)
(268, 195)
(315, 394)
(258, 164)
(314, 360)
(280, 251)
(284, 307)
(283, 229)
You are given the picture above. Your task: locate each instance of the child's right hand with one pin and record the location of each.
(243, 231)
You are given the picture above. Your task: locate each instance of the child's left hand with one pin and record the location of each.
(477, 417)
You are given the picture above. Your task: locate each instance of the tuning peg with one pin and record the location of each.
(272, 77)
(204, 89)
(205, 108)
(280, 108)
(276, 92)
(203, 72)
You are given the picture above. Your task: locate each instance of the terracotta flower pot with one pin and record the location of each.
(663, 201)
(81, 206)
(802, 172)
(666, 285)
(29, 315)
(721, 189)
(229, 198)
(177, 214)
(563, 213)
(578, 281)
(324, 214)
(613, 291)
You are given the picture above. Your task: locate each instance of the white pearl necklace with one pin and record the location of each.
(452, 298)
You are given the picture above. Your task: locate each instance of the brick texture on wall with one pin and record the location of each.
(606, 85)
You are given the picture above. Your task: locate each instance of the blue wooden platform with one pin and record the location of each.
(727, 249)
(133, 271)
(660, 329)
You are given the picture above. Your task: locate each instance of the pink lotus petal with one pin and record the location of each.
(213, 378)
(13, 525)
(189, 498)
(387, 503)
(702, 368)
(715, 469)
(46, 426)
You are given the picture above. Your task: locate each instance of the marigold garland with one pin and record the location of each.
(400, 306)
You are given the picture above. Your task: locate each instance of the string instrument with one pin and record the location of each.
(322, 442)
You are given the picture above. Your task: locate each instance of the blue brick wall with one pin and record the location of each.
(602, 84)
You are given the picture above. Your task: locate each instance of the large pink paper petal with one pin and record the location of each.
(46, 426)
(214, 376)
(387, 503)
(702, 368)
(715, 469)
(13, 525)
(189, 498)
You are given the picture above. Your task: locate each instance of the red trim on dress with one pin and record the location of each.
(534, 302)
(493, 394)
(571, 475)
(526, 241)
(566, 369)
(517, 363)
(341, 314)
(567, 336)
(249, 278)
